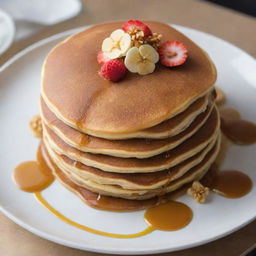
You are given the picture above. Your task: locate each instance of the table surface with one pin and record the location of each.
(232, 26)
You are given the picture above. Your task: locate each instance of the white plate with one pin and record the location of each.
(19, 92)
(7, 31)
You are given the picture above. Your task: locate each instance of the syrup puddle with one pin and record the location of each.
(239, 131)
(33, 176)
(228, 183)
(170, 216)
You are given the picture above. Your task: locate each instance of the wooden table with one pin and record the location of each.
(235, 27)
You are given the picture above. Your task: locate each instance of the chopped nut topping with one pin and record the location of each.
(198, 192)
(36, 126)
(139, 38)
(154, 40)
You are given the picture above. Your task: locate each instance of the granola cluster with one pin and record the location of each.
(154, 40)
(138, 38)
(198, 192)
(36, 126)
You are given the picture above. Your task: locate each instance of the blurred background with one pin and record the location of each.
(22, 19)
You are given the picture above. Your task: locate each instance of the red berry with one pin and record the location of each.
(102, 57)
(172, 53)
(130, 25)
(113, 70)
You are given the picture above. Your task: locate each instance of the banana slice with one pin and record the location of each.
(117, 44)
(141, 60)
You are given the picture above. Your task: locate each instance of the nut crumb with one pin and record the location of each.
(36, 126)
(154, 40)
(138, 38)
(198, 192)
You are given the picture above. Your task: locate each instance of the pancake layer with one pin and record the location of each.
(144, 181)
(165, 129)
(139, 148)
(77, 95)
(195, 172)
(132, 165)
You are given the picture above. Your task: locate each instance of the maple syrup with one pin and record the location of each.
(236, 129)
(169, 216)
(227, 183)
(33, 176)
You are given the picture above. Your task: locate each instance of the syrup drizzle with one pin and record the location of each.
(33, 176)
(40, 198)
(239, 131)
(227, 183)
(169, 216)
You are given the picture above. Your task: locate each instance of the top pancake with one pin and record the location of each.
(73, 90)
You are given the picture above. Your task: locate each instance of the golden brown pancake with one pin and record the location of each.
(139, 148)
(131, 165)
(165, 129)
(112, 190)
(107, 202)
(143, 181)
(77, 95)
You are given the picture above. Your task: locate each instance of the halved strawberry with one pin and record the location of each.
(102, 57)
(130, 25)
(172, 53)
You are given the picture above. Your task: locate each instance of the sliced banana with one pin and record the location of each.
(149, 52)
(141, 60)
(117, 44)
(117, 34)
(132, 59)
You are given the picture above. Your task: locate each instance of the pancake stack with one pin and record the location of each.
(137, 139)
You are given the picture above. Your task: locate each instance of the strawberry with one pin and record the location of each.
(130, 25)
(102, 57)
(113, 70)
(172, 53)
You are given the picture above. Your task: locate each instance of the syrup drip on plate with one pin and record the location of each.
(169, 216)
(33, 176)
(237, 130)
(40, 198)
(227, 183)
(240, 131)
(229, 114)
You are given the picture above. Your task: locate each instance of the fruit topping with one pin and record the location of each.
(113, 70)
(141, 60)
(172, 53)
(133, 26)
(117, 44)
(102, 57)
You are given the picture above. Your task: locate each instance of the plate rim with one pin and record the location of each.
(75, 245)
